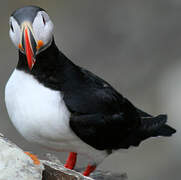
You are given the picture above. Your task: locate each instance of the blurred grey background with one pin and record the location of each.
(136, 46)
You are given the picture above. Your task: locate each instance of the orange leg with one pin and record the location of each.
(33, 157)
(89, 169)
(71, 161)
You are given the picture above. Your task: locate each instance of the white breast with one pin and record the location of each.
(41, 116)
(36, 111)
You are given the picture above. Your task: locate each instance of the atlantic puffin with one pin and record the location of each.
(61, 106)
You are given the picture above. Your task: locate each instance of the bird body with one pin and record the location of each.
(55, 103)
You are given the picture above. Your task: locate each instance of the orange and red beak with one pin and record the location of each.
(29, 45)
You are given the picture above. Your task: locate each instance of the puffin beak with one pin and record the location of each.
(28, 44)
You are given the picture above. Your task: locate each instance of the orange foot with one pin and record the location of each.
(71, 161)
(33, 157)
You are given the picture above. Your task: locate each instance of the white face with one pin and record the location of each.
(42, 30)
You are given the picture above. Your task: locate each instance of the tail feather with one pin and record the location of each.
(156, 126)
(166, 131)
(150, 127)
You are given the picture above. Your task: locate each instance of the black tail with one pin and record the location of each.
(155, 126)
(150, 127)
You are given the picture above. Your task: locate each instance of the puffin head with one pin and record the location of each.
(31, 31)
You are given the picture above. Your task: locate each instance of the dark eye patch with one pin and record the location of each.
(43, 19)
(11, 26)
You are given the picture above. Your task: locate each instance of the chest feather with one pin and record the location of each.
(34, 109)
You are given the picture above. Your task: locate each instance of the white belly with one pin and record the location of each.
(37, 112)
(41, 116)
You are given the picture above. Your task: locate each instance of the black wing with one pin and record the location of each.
(89, 94)
(104, 119)
(114, 132)
(105, 132)
(101, 117)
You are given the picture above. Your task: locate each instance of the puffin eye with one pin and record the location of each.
(11, 26)
(43, 19)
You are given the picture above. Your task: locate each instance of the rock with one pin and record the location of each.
(52, 174)
(54, 171)
(16, 165)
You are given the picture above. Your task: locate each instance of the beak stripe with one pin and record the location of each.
(28, 49)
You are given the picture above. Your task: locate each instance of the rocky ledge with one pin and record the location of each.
(16, 165)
